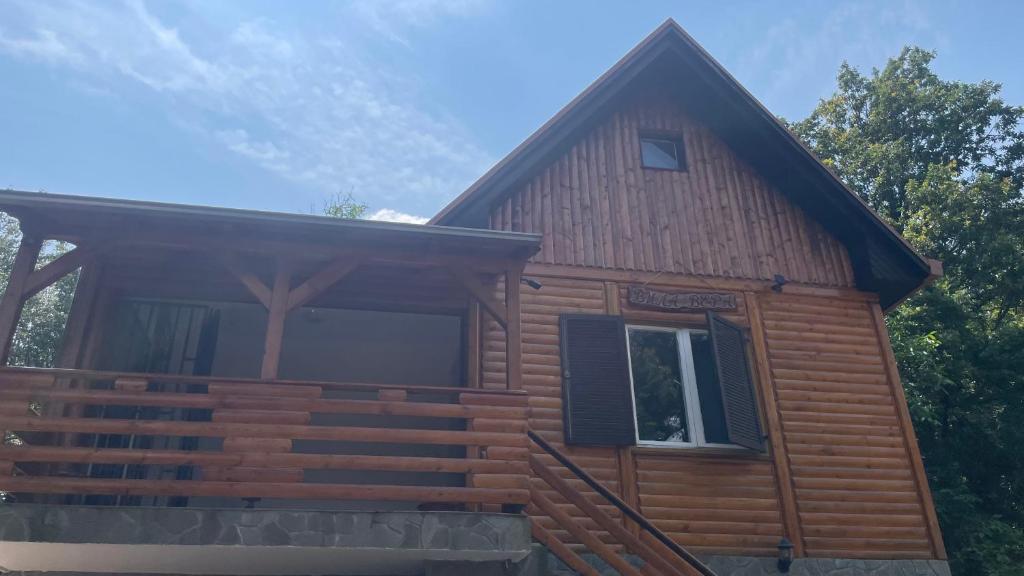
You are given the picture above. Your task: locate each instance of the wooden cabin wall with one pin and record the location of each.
(852, 463)
(597, 207)
(843, 477)
(542, 378)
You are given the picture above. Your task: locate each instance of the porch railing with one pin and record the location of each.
(119, 435)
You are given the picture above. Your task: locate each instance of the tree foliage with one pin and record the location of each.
(942, 161)
(37, 338)
(344, 205)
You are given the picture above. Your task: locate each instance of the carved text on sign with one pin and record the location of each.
(679, 301)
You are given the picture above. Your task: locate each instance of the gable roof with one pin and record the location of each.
(882, 260)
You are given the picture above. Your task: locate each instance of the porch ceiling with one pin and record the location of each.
(81, 218)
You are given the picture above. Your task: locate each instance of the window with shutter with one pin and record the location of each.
(597, 404)
(692, 387)
(738, 399)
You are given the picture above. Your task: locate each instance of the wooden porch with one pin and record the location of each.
(223, 422)
(283, 425)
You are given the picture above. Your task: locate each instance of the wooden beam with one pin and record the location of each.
(909, 437)
(250, 280)
(513, 328)
(13, 298)
(287, 490)
(57, 269)
(473, 346)
(275, 321)
(81, 316)
(773, 423)
(561, 550)
(327, 276)
(582, 535)
(630, 540)
(477, 289)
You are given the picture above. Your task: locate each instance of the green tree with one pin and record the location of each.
(344, 205)
(942, 161)
(38, 336)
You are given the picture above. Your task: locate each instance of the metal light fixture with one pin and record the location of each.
(531, 283)
(785, 555)
(780, 281)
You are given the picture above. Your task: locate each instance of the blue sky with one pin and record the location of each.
(278, 105)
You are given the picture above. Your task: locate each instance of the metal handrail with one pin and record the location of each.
(625, 508)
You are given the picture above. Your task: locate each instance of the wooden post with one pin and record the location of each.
(513, 329)
(473, 348)
(81, 316)
(275, 320)
(780, 457)
(14, 297)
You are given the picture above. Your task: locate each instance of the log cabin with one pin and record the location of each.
(651, 340)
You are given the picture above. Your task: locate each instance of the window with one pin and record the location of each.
(677, 398)
(626, 385)
(663, 152)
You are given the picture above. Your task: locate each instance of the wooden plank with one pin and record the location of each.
(295, 432)
(606, 522)
(256, 455)
(81, 316)
(563, 552)
(255, 286)
(583, 535)
(66, 263)
(473, 346)
(513, 328)
(323, 279)
(910, 438)
(482, 294)
(268, 403)
(275, 321)
(19, 376)
(285, 490)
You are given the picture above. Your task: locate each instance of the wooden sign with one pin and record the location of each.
(645, 297)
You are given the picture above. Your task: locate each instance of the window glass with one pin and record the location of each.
(657, 386)
(711, 409)
(661, 153)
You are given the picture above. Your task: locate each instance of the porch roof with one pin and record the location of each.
(75, 218)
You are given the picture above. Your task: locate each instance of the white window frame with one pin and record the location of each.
(691, 397)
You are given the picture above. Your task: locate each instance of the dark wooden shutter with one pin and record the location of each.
(597, 400)
(733, 373)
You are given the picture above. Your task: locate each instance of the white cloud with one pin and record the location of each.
(388, 19)
(43, 44)
(315, 110)
(794, 52)
(389, 215)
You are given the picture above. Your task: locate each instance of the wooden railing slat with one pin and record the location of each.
(679, 557)
(563, 552)
(293, 432)
(584, 536)
(45, 376)
(260, 422)
(267, 459)
(59, 485)
(603, 520)
(256, 402)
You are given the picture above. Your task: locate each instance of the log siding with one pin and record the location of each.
(597, 206)
(839, 478)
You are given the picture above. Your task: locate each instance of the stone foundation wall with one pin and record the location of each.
(543, 563)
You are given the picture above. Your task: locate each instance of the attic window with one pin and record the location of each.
(662, 151)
